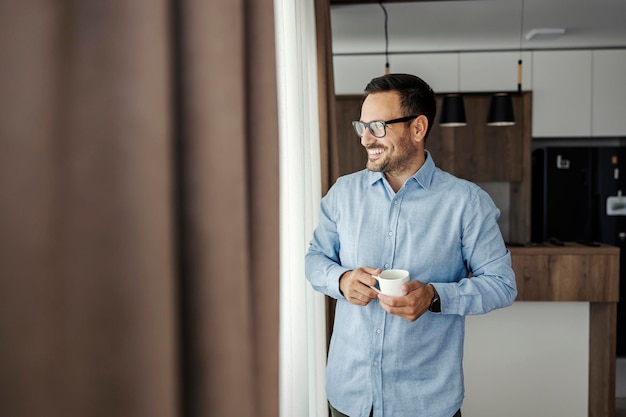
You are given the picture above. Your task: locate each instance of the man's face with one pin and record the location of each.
(395, 152)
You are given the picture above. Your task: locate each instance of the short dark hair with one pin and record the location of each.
(416, 96)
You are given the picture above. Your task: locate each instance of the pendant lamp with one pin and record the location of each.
(501, 104)
(453, 105)
(500, 110)
(452, 111)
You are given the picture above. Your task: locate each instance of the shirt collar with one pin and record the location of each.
(423, 176)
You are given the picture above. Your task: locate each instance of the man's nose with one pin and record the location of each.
(367, 138)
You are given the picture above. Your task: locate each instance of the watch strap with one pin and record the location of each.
(435, 303)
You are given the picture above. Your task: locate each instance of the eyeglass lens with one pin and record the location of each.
(377, 128)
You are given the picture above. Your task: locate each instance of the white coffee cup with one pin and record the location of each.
(391, 281)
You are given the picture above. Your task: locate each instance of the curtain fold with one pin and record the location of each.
(31, 348)
(87, 284)
(230, 141)
(138, 208)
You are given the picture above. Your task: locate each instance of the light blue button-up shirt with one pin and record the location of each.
(442, 230)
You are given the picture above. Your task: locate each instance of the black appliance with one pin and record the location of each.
(577, 196)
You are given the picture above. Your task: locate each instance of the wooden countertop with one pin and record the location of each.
(572, 272)
(569, 247)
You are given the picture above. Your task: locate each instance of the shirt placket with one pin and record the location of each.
(389, 250)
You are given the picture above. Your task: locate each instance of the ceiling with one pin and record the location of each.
(476, 25)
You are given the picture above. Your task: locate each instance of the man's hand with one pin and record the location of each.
(411, 306)
(355, 285)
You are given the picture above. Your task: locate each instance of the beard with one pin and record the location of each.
(400, 160)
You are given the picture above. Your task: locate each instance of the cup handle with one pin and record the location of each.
(374, 288)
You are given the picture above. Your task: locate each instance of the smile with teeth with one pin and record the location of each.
(375, 152)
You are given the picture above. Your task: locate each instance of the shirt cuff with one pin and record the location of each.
(449, 296)
(333, 281)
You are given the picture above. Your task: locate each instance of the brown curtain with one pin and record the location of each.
(138, 208)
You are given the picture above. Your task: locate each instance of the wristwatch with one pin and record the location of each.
(435, 303)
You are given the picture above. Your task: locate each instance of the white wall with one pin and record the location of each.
(530, 359)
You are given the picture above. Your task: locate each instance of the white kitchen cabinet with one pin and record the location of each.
(608, 109)
(353, 72)
(440, 71)
(444, 72)
(494, 71)
(561, 93)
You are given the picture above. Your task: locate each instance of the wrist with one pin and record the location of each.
(435, 302)
(343, 281)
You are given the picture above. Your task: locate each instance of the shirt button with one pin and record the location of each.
(390, 233)
(378, 331)
(395, 202)
(375, 363)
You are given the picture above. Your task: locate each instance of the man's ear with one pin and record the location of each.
(420, 127)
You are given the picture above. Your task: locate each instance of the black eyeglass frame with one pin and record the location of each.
(384, 122)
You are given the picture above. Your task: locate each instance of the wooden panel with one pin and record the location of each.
(488, 153)
(352, 156)
(602, 334)
(440, 143)
(482, 153)
(567, 274)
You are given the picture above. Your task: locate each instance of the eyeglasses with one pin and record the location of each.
(377, 128)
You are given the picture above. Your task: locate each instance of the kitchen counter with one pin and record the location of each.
(572, 272)
(575, 272)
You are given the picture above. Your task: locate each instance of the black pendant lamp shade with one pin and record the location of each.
(501, 110)
(452, 111)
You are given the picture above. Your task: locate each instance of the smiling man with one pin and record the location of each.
(402, 356)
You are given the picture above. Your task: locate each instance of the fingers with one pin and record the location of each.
(408, 312)
(355, 285)
(412, 285)
(404, 307)
(360, 294)
(371, 271)
(361, 298)
(411, 306)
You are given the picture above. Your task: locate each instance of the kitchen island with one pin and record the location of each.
(575, 272)
(555, 347)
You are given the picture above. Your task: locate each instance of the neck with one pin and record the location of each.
(397, 179)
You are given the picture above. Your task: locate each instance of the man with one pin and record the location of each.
(402, 356)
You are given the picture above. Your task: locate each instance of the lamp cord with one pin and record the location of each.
(519, 61)
(387, 69)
